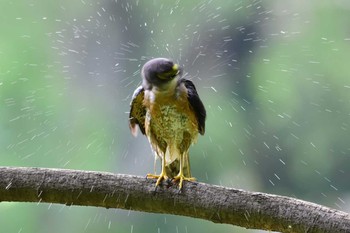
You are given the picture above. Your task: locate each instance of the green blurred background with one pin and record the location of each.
(273, 76)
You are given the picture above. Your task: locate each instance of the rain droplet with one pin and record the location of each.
(8, 186)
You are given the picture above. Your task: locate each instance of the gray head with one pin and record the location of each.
(159, 72)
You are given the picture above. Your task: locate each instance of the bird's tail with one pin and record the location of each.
(172, 169)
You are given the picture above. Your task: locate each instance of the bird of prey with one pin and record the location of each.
(168, 110)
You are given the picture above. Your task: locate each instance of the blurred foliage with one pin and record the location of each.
(273, 76)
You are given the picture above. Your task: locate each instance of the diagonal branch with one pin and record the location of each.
(198, 200)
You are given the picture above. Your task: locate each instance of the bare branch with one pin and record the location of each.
(198, 200)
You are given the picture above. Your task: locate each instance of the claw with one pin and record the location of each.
(181, 177)
(159, 178)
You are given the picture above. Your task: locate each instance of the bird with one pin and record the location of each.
(167, 109)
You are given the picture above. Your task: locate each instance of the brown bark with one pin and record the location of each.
(198, 200)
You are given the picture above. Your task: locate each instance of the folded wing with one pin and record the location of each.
(137, 112)
(196, 104)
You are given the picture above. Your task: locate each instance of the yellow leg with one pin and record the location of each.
(181, 177)
(162, 175)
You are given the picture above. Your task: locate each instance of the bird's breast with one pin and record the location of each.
(169, 116)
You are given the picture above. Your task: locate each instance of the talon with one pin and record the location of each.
(152, 176)
(159, 178)
(181, 177)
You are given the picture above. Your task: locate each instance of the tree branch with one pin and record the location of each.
(198, 200)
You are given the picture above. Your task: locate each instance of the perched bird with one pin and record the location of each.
(168, 110)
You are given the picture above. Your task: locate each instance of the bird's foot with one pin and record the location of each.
(159, 178)
(180, 177)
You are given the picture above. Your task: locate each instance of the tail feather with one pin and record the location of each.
(173, 168)
(171, 154)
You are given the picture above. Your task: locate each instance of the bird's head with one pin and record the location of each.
(159, 73)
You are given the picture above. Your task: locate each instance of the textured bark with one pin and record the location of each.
(198, 200)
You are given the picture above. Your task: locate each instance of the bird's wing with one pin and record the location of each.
(196, 104)
(137, 112)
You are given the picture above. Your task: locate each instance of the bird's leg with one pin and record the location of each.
(155, 164)
(162, 175)
(181, 176)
